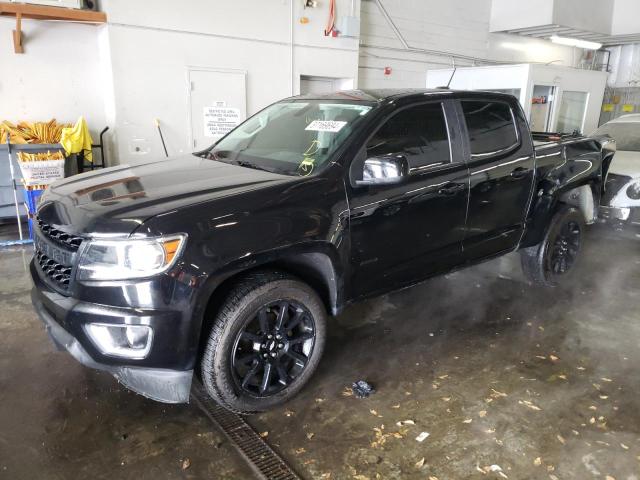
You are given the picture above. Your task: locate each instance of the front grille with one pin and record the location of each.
(58, 236)
(54, 252)
(60, 274)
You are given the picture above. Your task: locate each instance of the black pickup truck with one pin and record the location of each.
(226, 263)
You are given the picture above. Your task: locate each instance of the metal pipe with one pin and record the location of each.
(15, 192)
(409, 48)
(392, 24)
(438, 53)
(291, 46)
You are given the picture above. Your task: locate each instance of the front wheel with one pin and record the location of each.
(554, 259)
(265, 344)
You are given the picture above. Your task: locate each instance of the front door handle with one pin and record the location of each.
(519, 172)
(451, 189)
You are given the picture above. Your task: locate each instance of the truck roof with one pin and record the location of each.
(381, 95)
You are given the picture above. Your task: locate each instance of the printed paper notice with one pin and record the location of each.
(333, 126)
(219, 121)
(42, 172)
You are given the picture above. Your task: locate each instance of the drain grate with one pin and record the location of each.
(265, 462)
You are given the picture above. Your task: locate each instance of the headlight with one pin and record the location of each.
(130, 258)
(633, 191)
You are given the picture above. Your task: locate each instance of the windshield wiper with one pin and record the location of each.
(243, 163)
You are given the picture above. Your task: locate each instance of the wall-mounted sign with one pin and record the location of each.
(220, 120)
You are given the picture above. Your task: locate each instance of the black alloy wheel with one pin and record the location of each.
(273, 348)
(564, 250)
(554, 259)
(265, 342)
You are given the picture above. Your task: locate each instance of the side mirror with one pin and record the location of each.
(385, 170)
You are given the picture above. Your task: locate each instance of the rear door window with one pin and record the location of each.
(490, 125)
(419, 133)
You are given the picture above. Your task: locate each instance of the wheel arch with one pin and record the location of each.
(317, 266)
(583, 198)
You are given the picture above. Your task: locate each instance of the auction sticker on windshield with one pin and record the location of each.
(326, 126)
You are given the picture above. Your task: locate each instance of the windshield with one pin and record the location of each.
(626, 135)
(292, 138)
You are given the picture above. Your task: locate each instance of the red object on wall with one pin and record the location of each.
(330, 28)
(387, 70)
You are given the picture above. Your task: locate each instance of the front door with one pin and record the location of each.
(403, 233)
(501, 166)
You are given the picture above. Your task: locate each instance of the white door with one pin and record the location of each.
(218, 102)
(572, 110)
(542, 105)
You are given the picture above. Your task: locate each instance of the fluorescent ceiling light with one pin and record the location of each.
(574, 42)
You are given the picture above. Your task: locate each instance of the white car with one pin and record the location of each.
(621, 200)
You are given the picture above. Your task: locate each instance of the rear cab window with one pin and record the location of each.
(418, 132)
(491, 127)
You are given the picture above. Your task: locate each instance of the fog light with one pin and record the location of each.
(128, 341)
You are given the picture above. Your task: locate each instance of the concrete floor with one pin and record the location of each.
(509, 381)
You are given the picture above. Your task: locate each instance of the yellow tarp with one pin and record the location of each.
(77, 139)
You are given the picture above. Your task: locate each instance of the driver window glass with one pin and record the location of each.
(419, 133)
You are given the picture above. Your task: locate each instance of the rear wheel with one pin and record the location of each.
(554, 259)
(265, 344)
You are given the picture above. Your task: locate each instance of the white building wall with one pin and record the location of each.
(58, 76)
(447, 32)
(133, 70)
(626, 17)
(152, 47)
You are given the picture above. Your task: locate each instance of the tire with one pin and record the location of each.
(239, 347)
(542, 263)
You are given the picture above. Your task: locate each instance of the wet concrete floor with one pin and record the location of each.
(508, 380)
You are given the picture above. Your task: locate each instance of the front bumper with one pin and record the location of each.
(161, 384)
(620, 217)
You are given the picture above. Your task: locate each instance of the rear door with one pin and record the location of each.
(501, 165)
(403, 233)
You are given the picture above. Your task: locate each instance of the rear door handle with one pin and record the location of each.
(519, 172)
(451, 189)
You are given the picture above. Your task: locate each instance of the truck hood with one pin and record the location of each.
(116, 200)
(626, 163)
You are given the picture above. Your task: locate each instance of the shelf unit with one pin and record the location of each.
(42, 12)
